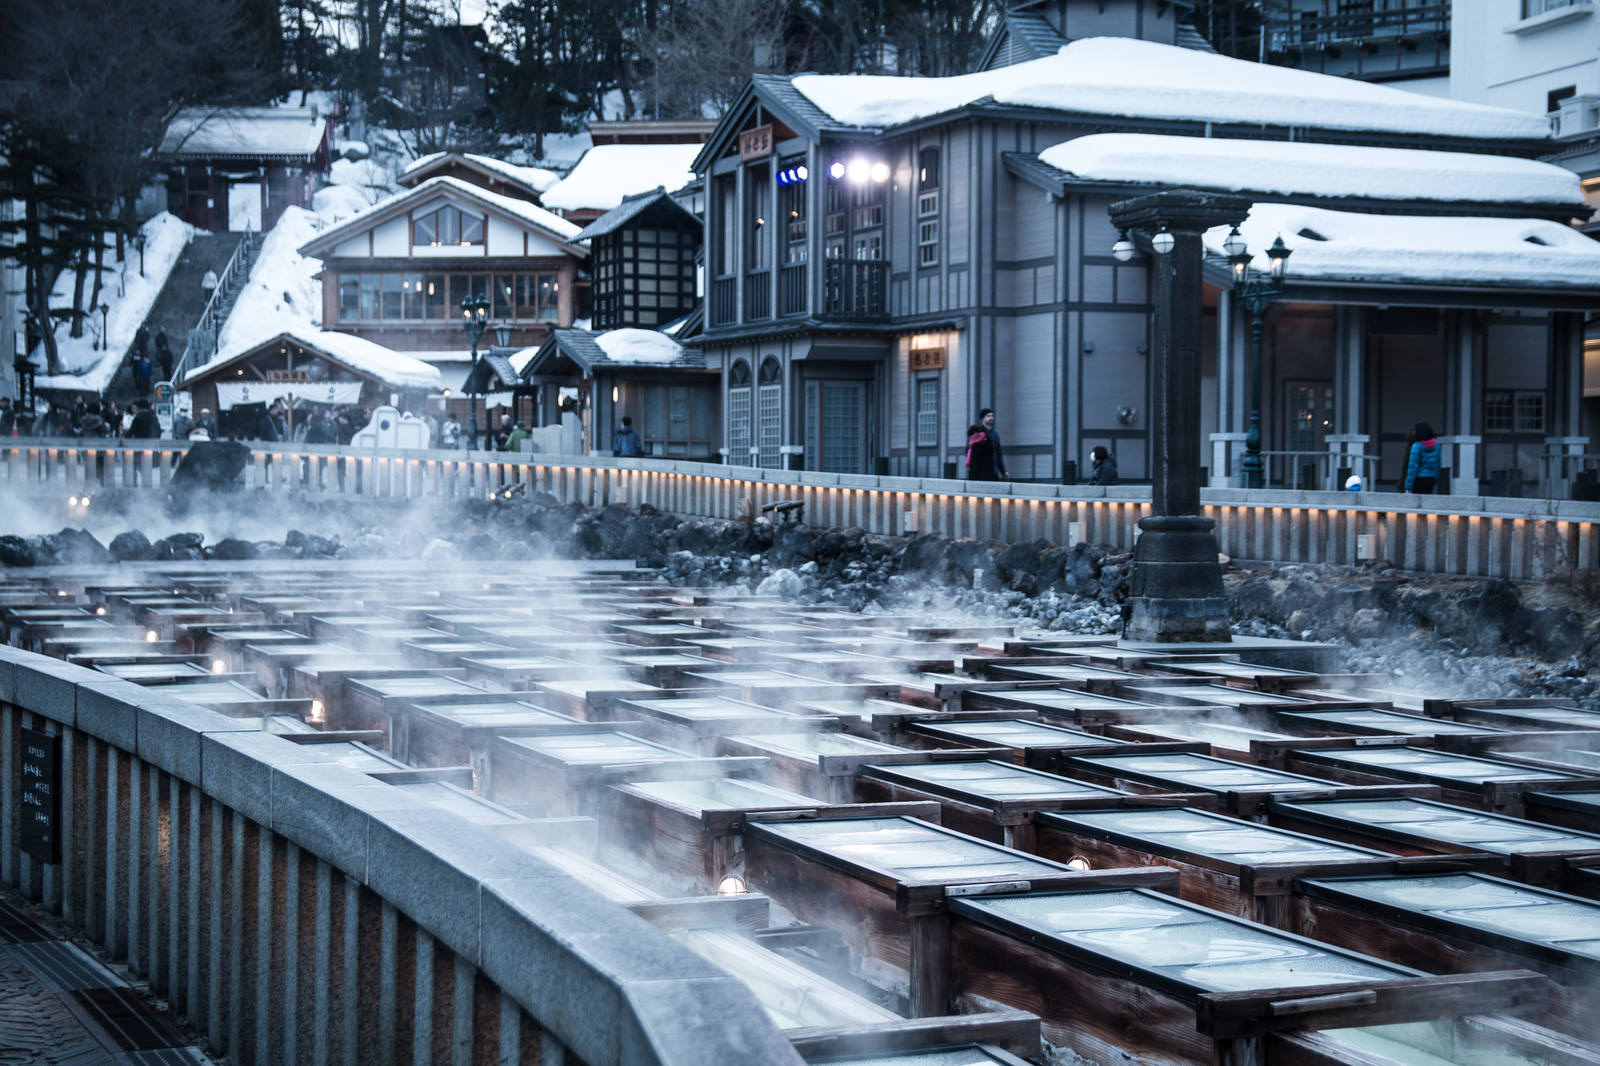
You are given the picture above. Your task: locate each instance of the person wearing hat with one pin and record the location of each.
(205, 424)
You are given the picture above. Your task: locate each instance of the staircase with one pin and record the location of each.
(182, 302)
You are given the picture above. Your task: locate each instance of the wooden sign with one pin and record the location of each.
(755, 144)
(927, 359)
(285, 376)
(40, 799)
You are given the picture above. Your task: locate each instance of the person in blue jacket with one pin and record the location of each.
(1422, 464)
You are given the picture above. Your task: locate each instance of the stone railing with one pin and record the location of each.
(1519, 538)
(299, 912)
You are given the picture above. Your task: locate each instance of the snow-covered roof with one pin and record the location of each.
(295, 132)
(608, 172)
(522, 210)
(639, 347)
(1350, 246)
(395, 369)
(1300, 168)
(590, 351)
(536, 178)
(1127, 77)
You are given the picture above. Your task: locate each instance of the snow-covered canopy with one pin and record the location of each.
(395, 369)
(1300, 168)
(1127, 77)
(536, 178)
(1350, 246)
(521, 210)
(636, 346)
(608, 172)
(295, 132)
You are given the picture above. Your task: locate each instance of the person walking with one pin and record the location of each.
(450, 433)
(208, 284)
(8, 417)
(205, 424)
(1422, 462)
(626, 442)
(1104, 470)
(163, 353)
(985, 458)
(141, 341)
(518, 435)
(145, 425)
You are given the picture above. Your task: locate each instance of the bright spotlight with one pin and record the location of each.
(836, 170)
(858, 171)
(218, 666)
(880, 172)
(151, 636)
(732, 885)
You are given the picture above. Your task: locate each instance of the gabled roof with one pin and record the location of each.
(630, 208)
(495, 373)
(245, 132)
(1027, 33)
(535, 179)
(355, 354)
(776, 93)
(510, 208)
(588, 351)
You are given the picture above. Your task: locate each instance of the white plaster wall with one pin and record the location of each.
(1490, 65)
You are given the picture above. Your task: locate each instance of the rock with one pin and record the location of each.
(76, 546)
(14, 551)
(1368, 623)
(234, 548)
(178, 546)
(785, 584)
(213, 465)
(130, 546)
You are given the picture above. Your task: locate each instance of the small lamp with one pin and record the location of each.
(1122, 251)
(1163, 241)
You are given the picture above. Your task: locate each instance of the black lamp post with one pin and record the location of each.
(105, 341)
(475, 315)
(1255, 295)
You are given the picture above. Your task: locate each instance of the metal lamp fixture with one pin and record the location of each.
(1163, 241)
(1122, 251)
(502, 334)
(475, 319)
(1255, 295)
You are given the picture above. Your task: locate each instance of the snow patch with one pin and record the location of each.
(638, 346)
(283, 292)
(1299, 168)
(1122, 76)
(609, 172)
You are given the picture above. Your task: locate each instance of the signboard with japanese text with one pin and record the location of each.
(39, 799)
(755, 144)
(927, 359)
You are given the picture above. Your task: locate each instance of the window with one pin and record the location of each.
(1553, 99)
(726, 233)
(928, 242)
(1530, 8)
(739, 435)
(758, 249)
(928, 413)
(437, 297)
(446, 226)
(349, 297)
(769, 415)
(792, 213)
(1506, 411)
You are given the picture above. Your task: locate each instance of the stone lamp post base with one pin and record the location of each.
(1176, 592)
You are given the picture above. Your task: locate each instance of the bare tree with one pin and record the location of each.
(703, 52)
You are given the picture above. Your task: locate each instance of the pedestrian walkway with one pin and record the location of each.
(58, 1004)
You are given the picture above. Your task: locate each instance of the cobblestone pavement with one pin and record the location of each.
(59, 1005)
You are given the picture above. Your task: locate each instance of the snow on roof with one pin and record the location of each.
(532, 214)
(393, 368)
(608, 172)
(1349, 246)
(638, 346)
(245, 131)
(283, 291)
(1299, 168)
(536, 178)
(1122, 76)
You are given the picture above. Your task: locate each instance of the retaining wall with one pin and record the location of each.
(1519, 538)
(298, 912)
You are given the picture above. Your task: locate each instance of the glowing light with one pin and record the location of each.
(801, 172)
(318, 709)
(836, 170)
(1079, 863)
(85, 503)
(100, 611)
(151, 636)
(732, 885)
(219, 667)
(880, 172)
(858, 171)
(72, 501)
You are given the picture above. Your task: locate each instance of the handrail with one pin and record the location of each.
(207, 325)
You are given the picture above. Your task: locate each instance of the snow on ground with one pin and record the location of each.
(283, 292)
(638, 346)
(1122, 76)
(1347, 245)
(609, 172)
(86, 366)
(1299, 168)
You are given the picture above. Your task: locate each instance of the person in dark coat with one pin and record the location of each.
(1104, 471)
(1422, 460)
(163, 354)
(266, 429)
(141, 342)
(985, 459)
(626, 441)
(321, 429)
(206, 424)
(146, 426)
(8, 417)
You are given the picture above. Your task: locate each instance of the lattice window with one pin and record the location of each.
(928, 413)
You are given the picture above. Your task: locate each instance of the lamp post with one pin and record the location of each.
(1255, 294)
(475, 316)
(105, 341)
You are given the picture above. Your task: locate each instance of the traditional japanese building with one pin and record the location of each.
(885, 256)
(238, 168)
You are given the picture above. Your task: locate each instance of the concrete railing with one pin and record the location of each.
(1468, 535)
(299, 912)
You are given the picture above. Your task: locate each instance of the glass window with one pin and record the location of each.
(369, 297)
(928, 170)
(391, 302)
(1497, 412)
(928, 242)
(433, 297)
(726, 232)
(758, 182)
(503, 301)
(411, 295)
(928, 413)
(460, 289)
(549, 297)
(446, 226)
(471, 228)
(349, 297)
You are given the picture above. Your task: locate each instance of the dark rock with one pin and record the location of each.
(233, 548)
(14, 551)
(1551, 633)
(214, 465)
(178, 546)
(75, 546)
(130, 546)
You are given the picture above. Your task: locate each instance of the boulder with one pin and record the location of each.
(215, 465)
(131, 546)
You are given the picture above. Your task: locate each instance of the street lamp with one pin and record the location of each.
(1255, 295)
(105, 341)
(475, 318)
(502, 334)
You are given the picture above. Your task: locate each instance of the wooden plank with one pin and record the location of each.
(747, 911)
(1015, 1031)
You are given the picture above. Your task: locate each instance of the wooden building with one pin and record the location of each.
(397, 272)
(238, 168)
(642, 262)
(962, 258)
(496, 175)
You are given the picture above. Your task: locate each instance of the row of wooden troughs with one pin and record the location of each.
(939, 842)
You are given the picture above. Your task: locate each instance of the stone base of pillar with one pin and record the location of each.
(1176, 589)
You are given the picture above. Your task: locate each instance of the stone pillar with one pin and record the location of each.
(1176, 589)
